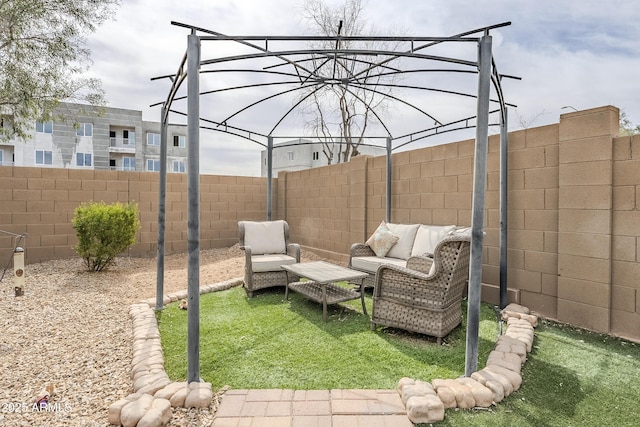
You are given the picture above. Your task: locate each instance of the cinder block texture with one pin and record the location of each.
(572, 214)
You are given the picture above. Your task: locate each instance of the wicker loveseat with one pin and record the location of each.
(425, 296)
(413, 240)
(266, 246)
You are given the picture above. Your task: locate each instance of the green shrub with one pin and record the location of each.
(104, 231)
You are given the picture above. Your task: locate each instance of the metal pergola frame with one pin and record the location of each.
(303, 77)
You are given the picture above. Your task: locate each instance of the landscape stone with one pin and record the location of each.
(425, 409)
(404, 381)
(481, 394)
(178, 398)
(198, 397)
(514, 378)
(170, 389)
(133, 411)
(158, 415)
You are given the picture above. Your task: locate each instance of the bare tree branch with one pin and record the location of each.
(340, 114)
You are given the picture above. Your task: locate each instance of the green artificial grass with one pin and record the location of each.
(571, 378)
(265, 342)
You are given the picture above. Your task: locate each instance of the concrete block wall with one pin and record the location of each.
(41, 203)
(585, 228)
(324, 205)
(573, 239)
(573, 214)
(625, 241)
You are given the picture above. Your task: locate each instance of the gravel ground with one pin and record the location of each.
(71, 329)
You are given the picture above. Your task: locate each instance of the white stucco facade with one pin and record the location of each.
(96, 138)
(300, 154)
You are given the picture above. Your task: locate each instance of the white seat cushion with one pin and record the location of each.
(428, 237)
(265, 237)
(406, 235)
(370, 264)
(263, 263)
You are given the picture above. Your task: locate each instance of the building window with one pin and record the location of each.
(153, 165)
(44, 157)
(129, 138)
(316, 155)
(179, 141)
(129, 164)
(85, 129)
(290, 153)
(178, 166)
(153, 139)
(44, 127)
(1, 157)
(112, 164)
(83, 159)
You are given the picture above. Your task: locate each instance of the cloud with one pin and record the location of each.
(568, 52)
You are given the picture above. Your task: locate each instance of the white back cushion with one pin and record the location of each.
(406, 235)
(427, 238)
(265, 237)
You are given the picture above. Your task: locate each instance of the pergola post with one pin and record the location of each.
(389, 177)
(161, 210)
(193, 208)
(504, 174)
(477, 212)
(269, 177)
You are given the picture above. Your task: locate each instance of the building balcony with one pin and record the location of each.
(122, 145)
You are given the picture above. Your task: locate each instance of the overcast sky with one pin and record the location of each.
(578, 54)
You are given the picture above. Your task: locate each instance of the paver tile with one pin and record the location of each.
(311, 421)
(269, 395)
(230, 406)
(386, 404)
(349, 406)
(355, 394)
(279, 409)
(271, 422)
(344, 421)
(254, 409)
(317, 395)
(226, 422)
(316, 407)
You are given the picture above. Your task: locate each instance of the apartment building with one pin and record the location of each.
(87, 137)
(299, 154)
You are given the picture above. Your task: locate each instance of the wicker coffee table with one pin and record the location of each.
(321, 286)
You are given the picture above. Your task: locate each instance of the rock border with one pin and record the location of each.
(154, 393)
(426, 402)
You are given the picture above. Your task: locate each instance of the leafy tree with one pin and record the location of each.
(339, 113)
(626, 127)
(43, 57)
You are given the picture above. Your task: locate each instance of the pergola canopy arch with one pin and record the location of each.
(308, 79)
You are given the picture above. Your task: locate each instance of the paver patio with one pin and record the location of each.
(311, 408)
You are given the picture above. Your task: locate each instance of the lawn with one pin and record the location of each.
(571, 378)
(265, 342)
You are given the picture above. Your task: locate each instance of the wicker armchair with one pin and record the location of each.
(426, 296)
(266, 246)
